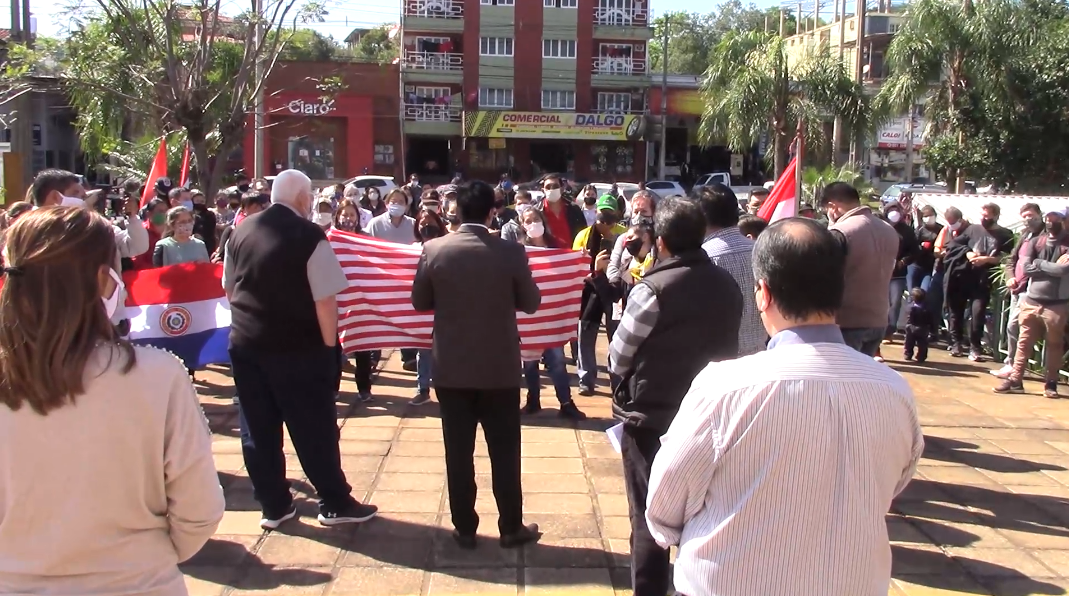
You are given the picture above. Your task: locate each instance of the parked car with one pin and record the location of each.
(665, 188)
(895, 190)
(707, 179)
(383, 183)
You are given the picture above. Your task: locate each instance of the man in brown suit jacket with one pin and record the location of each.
(475, 282)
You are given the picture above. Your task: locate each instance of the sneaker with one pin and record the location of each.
(533, 406)
(1009, 386)
(1050, 390)
(908, 357)
(365, 397)
(1002, 373)
(354, 513)
(956, 351)
(409, 366)
(236, 401)
(421, 398)
(976, 356)
(569, 410)
(269, 522)
(878, 358)
(586, 391)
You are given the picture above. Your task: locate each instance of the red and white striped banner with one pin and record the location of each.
(376, 311)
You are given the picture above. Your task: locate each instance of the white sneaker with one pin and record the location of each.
(1002, 373)
(272, 523)
(878, 358)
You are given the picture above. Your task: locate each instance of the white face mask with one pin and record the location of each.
(66, 201)
(432, 207)
(929, 220)
(553, 195)
(395, 210)
(956, 225)
(185, 229)
(521, 209)
(894, 217)
(111, 303)
(322, 219)
(534, 229)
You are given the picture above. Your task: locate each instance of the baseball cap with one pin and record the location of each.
(606, 202)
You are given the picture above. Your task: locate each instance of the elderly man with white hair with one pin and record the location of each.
(282, 279)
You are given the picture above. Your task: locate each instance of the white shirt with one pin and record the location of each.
(776, 474)
(591, 215)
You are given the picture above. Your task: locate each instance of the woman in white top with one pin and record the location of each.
(106, 465)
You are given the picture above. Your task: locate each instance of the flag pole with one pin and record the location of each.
(799, 149)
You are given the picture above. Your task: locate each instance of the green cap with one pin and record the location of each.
(606, 202)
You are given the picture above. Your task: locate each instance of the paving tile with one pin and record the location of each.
(228, 462)
(620, 552)
(551, 483)
(958, 475)
(1026, 447)
(938, 585)
(559, 449)
(411, 482)
(208, 581)
(284, 581)
(574, 582)
(567, 526)
(496, 582)
(612, 504)
(362, 464)
(368, 433)
(617, 526)
(921, 559)
(240, 523)
(382, 581)
(609, 484)
(419, 449)
(407, 501)
(551, 465)
(421, 434)
(380, 551)
(1056, 560)
(399, 525)
(621, 581)
(567, 552)
(1022, 585)
(575, 504)
(447, 554)
(548, 435)
(1039, 538)
(220, 550)
(414, 465)
(987, 562)
(600, 451)
(295, 551)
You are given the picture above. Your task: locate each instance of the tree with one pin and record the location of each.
(750, 91)
(142, 66)
(377, 46)
(310, 45)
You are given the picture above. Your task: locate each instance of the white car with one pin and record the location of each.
(383, 183)
(721, 177)
(665, 188)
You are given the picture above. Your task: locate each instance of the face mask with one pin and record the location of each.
(184, 229)
(894, 217)
(452, 220)
(158, 219)
(243, 187)
(506, 185)
(1035, 224)
(634, 246)
(553, 195)
(429, 231)
(1055, 228)
(638, 219)
(432, 207)
(534, 229)
(955, 226)
(590, 201)
(521, 209)
(373, 197)
(66, 201)
(322, 219)
(396, 210)
(987, 223)
(929, 220)
(347, 224)
(188, 205)
(111, 303)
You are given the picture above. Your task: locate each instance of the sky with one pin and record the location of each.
(343, 17)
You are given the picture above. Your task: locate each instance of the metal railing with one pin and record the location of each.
(435, 9)
(619, 111)
(621, 16)
(430, 112)
(608, 65)
(433, 61)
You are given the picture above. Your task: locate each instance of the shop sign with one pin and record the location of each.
(893, 134)
(554, 125)
(305, 108)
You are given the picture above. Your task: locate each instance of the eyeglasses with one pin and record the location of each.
(552, 186)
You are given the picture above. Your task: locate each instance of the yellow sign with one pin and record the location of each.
(554, 125)
(497, 143)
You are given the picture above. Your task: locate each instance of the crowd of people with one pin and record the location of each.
(756, 422)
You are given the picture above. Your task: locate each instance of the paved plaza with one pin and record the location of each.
(987, 513)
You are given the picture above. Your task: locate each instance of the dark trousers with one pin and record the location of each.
(364, 366)
(649, 562)
(974, 298)
(408, 354)
(498, 410)
(297, 389)
(917, 337)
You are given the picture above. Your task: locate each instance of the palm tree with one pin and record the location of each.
(815, 179)
(750, 90)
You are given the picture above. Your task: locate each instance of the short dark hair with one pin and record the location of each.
(679, 223)
(993, 208)
(719, 205)
(760, 192)
(751, 225)
(918, 294)
(784, 257)
(132, 186)
(840, 192)
(548, 177)
(49, 181)
(475, 201)
(175, 193)
(253, 198)
(954, 212)
(1031, 207)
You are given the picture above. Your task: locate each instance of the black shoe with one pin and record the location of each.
(524, 535)
(465, 541)
(533, 406)
(908, 357)
(569, 410)
(586, 391)
(272, 522)
(354, 513)
(421, 398)
(410, 366)
(571, 362)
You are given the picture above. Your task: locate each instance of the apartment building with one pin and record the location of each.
(525, 86)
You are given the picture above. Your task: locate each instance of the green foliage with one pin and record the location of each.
(310, 45)
(376, 46)
(815, 179)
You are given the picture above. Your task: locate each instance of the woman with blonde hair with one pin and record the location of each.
(179, 245)
(105, 455)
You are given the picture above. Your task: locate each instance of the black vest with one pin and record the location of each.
(700, 308)
(271, 304)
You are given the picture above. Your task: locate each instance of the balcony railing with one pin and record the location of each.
(606, 65)
(435, 9)
(433, 61)
(430, 112)
(619, 111)
(621, 16)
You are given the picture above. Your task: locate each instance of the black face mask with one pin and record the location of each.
(634, 246)
(452, 219)
(429, 231)
(987, 223)
(243, 187)
(590, 201)
(200, 207)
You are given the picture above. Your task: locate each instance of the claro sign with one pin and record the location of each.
(299, 107)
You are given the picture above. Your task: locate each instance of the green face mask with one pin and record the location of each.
(158, 219)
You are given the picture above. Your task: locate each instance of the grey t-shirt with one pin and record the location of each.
(382, 228)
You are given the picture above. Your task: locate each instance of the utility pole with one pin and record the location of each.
(258, 118)
(664, 100)
(22, 131)
(909, 144)
(837, 126)
(782, 22)
(859, 74)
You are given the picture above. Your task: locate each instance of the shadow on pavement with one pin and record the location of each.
(934, 569)
(1036, 514)
(956, 451)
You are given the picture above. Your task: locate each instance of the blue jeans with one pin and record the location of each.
(897, 287)
(554, 359)
(933, 302)
(588, 341)
(864, 339)
(916, 277)
(423, 371)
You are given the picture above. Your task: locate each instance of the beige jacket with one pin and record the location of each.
(109, 494)
(871, 250)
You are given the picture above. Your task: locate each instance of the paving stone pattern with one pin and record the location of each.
(987, 513)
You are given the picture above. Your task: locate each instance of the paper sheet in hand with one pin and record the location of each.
(615, 434)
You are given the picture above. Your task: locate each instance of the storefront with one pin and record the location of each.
(589, 147)
(888, 158)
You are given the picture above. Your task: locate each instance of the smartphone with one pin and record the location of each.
(607, 245)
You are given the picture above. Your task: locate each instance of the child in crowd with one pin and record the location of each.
(918, 326)
(179, 244)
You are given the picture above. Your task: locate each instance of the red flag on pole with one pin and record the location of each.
(158, 169)
(183, 177)
(782, 202)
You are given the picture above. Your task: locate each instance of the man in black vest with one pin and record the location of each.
(282, 279)
(682, 314)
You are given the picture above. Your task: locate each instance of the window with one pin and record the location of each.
(495, 46)
(558, 48)
(560, 3)
(497, 2)
(495, 98)
(614, 102)
(482, 157)
(893, 28)
(433, 92)
(558, 100)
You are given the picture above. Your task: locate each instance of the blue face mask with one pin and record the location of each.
(396, 210)
(506, 185)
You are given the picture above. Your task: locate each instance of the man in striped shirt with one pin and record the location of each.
(776, 475)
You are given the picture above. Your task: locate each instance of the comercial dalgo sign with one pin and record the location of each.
(552, 125)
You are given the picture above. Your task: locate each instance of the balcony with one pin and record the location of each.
(432, 119)
(619, 66)
(433, 61)
(621, 16)
(433, 16)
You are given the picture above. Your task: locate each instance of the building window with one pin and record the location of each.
(561, 3)
(894, 28)
(495, 98)
(558, 48)
(612, 159)
(482, 157)
(495, 46)
(619, 103)
(497, 2)
(558, 100)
